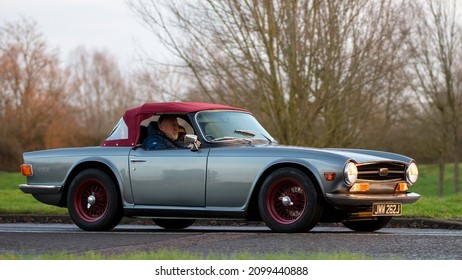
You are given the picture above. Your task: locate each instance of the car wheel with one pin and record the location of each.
(288, 201)
(369, 225)
(93, 201)
(174, 223)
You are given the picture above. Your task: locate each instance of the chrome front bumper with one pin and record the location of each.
(368, 199)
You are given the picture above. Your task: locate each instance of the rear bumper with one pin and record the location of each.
(40, 189)
(47, 194)
(360, 200)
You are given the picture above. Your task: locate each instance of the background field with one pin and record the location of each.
(13, 201)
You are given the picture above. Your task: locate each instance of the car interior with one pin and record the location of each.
(151, 124)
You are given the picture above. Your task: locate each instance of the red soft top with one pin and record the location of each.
(134, 116)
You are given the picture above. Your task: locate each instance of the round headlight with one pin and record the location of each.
(351, 173)
(412, 172)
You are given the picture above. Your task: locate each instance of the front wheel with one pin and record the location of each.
(93, 201)
(368, 225)
(288, 201)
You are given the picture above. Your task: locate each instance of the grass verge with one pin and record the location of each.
(183, 255)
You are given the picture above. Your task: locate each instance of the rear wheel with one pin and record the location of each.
(368, 225)
(174, 223)
(93, 201)
(288, 201)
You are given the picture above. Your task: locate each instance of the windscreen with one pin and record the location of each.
(229, 125)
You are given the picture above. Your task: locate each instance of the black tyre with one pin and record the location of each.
(288, 201)
(93, 201)
(174, 223)
(368, 225)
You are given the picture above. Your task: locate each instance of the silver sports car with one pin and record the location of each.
(228, 167)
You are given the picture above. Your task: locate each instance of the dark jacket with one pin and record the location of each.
(156, 139)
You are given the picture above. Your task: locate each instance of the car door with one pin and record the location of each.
(172, 177)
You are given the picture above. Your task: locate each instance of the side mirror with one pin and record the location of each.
(192, 142)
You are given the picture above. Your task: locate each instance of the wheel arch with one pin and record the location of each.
(84, 166)
(252, 212)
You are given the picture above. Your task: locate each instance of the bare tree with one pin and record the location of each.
(45, 105)
(437, 67)
(313, 71)
(100, 92)
(154, 83)
(31, 86)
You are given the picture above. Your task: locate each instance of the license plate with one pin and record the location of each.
(386, 209)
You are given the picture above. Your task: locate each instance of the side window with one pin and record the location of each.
(120, 131)
(151, 139)
(181, 121)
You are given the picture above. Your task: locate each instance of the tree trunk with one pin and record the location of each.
(456, 176)
(456, 168)
(441, 166)
(455, 153)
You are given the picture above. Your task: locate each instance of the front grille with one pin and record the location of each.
(381, 171)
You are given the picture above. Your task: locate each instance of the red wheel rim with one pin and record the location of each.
(286, 200)
(91, 200)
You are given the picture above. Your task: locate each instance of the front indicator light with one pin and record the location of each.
(329, 176)
(401, 187)
(360, 187)
(26, 170)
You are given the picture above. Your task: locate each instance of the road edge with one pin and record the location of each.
(395, 222)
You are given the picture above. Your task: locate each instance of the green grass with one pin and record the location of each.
(445, 208)
(14, 201)
(427, 184)
(183, 255)
(430, 204)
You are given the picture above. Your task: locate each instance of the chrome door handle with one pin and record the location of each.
(137, 160)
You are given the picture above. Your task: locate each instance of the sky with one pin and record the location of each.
(95, 24)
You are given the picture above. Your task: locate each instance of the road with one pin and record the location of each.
(387, 243)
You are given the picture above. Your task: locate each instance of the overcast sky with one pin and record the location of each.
(101, 24)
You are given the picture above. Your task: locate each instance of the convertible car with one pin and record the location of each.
(229, 168)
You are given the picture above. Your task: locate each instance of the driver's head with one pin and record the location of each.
(169, 125)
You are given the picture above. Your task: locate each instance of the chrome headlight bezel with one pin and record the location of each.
(412, 173)
(350, 173)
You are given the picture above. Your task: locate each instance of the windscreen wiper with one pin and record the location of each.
(244, 132)
(229, 138)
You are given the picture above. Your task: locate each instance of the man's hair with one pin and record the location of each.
(165, 117)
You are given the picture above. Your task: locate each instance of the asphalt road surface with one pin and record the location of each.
(387, 243)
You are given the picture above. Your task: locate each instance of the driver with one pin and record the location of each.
(165, 136)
